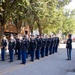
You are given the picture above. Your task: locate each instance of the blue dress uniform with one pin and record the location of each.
(29, 46)
(24, 49)
(33, 47)
(11, 47)
(47, 46)
(43, 47)
(16, 48)
(51, 44)
(39, 44)
(3, 45)
(19, 49)
(57, 43)
(54, 45)
(69, 48)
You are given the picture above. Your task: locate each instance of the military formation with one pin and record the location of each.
(28, 46)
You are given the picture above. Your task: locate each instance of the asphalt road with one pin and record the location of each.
(55, 64)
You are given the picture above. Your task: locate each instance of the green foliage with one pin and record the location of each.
(68, 22)
(45, 15)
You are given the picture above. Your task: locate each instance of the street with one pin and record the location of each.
(55, 64)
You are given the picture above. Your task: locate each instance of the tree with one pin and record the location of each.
(44, 15)
(68, 22)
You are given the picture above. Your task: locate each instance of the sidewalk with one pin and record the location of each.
(55, 64)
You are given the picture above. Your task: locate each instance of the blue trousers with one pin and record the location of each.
(53, 49)
(37, 53)
(43, 52)
(11, 53)
(19, 54)
(26, 54)
(32, 55)
(46, 51)
(3, 54)
(56, 47)
(24, 57)
(16, 51)
(50, 50)
(69, 53)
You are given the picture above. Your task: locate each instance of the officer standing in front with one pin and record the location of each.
(69, 47)
(3, 47)
(11, 47)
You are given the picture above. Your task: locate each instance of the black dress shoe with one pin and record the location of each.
(32, 60)
(18, 59)
(23, 63)
(10, 61)
(2, 60)
(15, 54)
(38, 58)
(67, 59)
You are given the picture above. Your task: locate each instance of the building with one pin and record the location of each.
(25, 30)
(12, 29)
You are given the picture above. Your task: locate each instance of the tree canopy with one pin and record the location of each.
(45, 15)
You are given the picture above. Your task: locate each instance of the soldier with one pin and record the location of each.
(57, 43)
(33, 45)
(28, 42)
(11, 47)
(43, 47)
(69, 47)
(39, 44)
(19, 44)
(47, 45)
(51, 44)
(24, 49)
(55, 50)
(3, 47)
(54, 45)
(29, 38)
(16, 48)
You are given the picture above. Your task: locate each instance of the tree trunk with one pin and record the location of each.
(19, 26)
(40, 29)
(0, 33)
(2, 26)
(3, 22)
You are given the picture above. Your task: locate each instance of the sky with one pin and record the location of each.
(71, 5)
